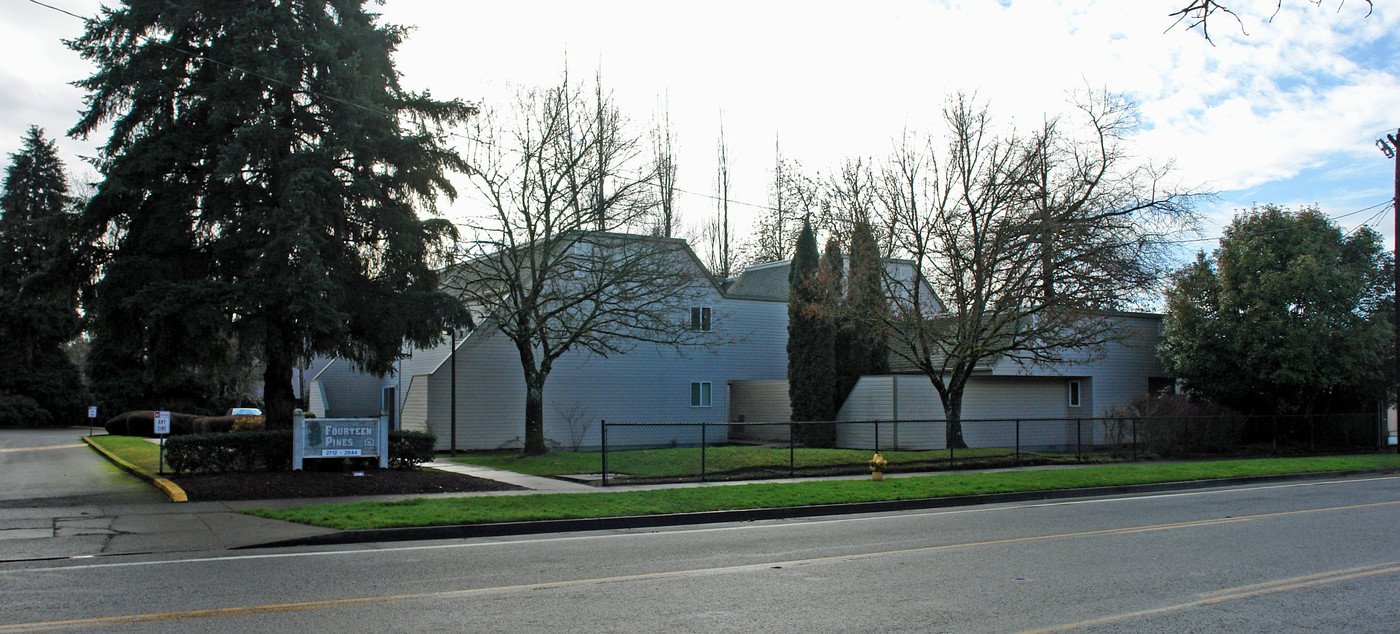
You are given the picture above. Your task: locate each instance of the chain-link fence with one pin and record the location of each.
(678, 452)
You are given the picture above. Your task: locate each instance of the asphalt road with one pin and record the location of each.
(52, 466)
(1292, 557)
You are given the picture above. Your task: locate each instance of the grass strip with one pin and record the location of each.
(685, 461)
(476, 510)
(143, 454)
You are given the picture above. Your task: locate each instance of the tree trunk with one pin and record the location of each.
(534, 416)
(952, 411)
(278, 397)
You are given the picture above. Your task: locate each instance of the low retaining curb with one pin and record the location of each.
(170, 489)
(464, 531)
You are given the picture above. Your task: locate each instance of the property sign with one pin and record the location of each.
(339, 438)
(162, 426)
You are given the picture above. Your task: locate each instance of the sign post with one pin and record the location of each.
(162, 429)
(92, 416)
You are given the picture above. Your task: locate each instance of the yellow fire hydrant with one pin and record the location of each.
(877, 468)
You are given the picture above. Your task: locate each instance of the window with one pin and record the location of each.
(700, 318)
(1074, 393)
(700, 394)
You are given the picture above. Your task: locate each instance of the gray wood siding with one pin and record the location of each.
(348, 392)
(1115, 374)
(760, 402)
(991, 407)
(414, 414)
(648, 384)
(316, 400)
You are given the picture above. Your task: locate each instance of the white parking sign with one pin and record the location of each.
(162, 423)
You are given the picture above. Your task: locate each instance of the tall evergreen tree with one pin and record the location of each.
(832, 278)
(259, 189)
(38, 295)
(866, 311)
(811, 371)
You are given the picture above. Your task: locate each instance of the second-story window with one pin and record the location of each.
(700, 318)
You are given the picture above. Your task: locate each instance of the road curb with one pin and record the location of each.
(464, 531)
(170, 489)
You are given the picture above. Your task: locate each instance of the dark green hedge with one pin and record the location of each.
(272, 451)
(408, 449)
(230, 451)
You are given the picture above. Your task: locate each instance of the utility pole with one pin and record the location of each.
(452, 402)
(1390, 146)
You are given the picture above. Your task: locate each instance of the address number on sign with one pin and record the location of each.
(339, 453)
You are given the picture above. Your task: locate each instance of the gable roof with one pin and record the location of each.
(764, 281)
(769, 281)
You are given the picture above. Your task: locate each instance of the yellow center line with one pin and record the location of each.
(73, 446)
(1245, 591)
(1241, 592)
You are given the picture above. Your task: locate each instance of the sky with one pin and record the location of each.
(1284, 110)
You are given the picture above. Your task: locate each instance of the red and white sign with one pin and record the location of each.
(162, 423)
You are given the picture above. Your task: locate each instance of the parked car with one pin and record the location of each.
(244, 411)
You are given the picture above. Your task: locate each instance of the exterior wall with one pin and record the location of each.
(760, 402)
(1120, 369)
(414, 414)
(316, 400)
(991, 407)
(347, 392)
(648, 384)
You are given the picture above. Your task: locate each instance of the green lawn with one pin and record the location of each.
(686, 461)
(138, 451)
(473, 510)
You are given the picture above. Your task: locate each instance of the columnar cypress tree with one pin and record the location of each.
(867, 309)
(832, 277)
(38, 298)
(259, 190)
(811, 370)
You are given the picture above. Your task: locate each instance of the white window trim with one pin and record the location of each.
(701, 394)
(1074, 393)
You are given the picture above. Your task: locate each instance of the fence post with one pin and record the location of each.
(604, 440)
(1079, 439)
(1135, 442)
(877, 436)
(1018, 442)
(792, 468)
(702, 451)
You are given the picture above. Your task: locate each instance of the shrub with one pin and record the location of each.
(233, 451)
(1173, 425)
(272, 451)
(408, 449)
(20, 410)
(143, 423)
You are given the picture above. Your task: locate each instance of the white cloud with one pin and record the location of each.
(833, 80)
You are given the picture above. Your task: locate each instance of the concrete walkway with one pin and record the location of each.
(535, 484)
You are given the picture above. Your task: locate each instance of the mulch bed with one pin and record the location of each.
(319, 484)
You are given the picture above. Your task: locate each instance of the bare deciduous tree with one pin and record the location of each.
(1198, 13)
(796, 197)
(666, 219)
(1025, 240)
(554, 277)
(716, 232)
(850, 199)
